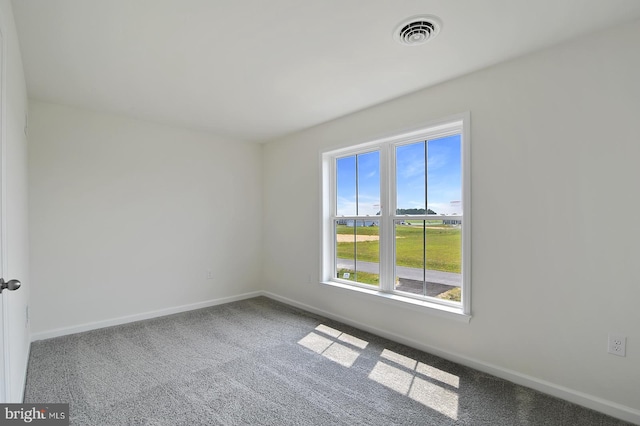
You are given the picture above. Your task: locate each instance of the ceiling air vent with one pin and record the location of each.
(417, 30)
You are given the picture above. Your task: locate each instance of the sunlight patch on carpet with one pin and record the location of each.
(333, 344)
(423, 383)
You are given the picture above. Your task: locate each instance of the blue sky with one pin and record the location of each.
(368, 183)
(443, 178)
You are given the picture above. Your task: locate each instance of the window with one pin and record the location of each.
(395, 219)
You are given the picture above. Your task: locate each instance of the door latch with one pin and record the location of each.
(10, 285)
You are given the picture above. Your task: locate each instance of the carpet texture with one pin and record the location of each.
(260, 362)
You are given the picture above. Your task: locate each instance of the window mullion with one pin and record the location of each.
(387, 194)
(424, 222)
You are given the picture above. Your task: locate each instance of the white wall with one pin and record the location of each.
(15, 184)
(127, 217)
(555, 246)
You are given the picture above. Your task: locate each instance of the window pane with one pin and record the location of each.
(369, 183)
(346, 186)
(358, 185)
(410, 178)
(345, 238)
(358, 251)
(444, 175)
(410, 256)
(428, 258)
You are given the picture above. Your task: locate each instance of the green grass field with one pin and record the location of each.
(443, 246)
(360, 277)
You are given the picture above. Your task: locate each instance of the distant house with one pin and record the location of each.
(350, 222)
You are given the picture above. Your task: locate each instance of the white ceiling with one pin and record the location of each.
(258, 69)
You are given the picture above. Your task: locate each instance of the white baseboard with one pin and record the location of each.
(595, 403)
(138, 317)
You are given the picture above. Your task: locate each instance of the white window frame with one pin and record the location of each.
(458, 124)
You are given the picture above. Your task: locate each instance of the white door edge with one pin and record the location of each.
(5, 385)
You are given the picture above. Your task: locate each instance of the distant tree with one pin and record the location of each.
(414, 211)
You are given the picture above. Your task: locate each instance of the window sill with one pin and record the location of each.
(423, 306)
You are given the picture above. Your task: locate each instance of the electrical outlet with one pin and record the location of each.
(617, 345)
(209, 275)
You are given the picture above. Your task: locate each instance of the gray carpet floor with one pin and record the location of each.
(260, 362)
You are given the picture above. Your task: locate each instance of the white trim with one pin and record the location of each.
(386, 231)
(601, 405)
(407, 134)
(5, 393)
(326, 183)
(63, 331)
(466, 211)
(427, 217)
(423, 305)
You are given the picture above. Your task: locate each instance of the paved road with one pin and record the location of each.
(437, 277)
